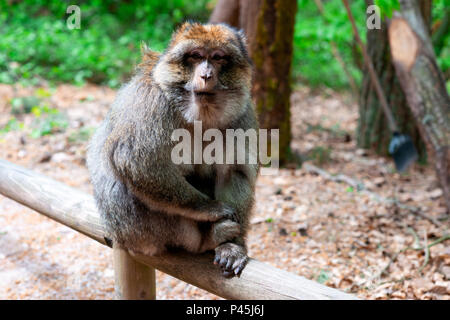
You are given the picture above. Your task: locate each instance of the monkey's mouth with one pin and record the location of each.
(204, 93)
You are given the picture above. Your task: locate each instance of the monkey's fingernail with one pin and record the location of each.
(222, 261)
(216, 260)
(227, 273)
(229, 264)
(237, 270)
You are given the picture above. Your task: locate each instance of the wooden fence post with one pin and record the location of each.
(133, 280)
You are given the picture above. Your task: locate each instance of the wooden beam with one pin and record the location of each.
(77, 210)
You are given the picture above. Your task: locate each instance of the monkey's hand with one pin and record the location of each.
(231, 257)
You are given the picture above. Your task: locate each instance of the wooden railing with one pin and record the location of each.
(135, 274)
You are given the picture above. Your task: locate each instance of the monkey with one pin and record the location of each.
(149, 204)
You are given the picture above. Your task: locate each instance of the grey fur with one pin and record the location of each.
(149, 204)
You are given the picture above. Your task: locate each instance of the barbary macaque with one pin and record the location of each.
(150, 204)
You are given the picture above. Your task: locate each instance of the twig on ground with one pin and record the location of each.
(427, 252)
(415, 211)
(416, 238)
(359, 186)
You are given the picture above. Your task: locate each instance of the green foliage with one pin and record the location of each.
(320, 155)
(82, 135)
(323, 276)
(35, 41)
(11, 125)
(387, 7)
(48, 120)
(23, 104)
(442, 47)
(314, 62)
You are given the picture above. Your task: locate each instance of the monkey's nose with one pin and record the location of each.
(206, 76)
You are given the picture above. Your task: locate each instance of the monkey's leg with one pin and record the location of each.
(237, 191)
(129, 223)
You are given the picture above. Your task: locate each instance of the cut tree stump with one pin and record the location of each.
(423, 84)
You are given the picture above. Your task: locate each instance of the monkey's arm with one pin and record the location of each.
(236, 184)
(158, 183)
(237, 190)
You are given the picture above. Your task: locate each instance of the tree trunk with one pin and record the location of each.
(424, 85)
(373, 131)
(269, 26)
(226, 11)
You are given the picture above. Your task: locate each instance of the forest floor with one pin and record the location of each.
(307, 222)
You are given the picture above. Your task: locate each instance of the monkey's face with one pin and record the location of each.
(207, 72)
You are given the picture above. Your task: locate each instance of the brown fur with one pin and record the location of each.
(148, 203)
(213, 34)
(149, 60)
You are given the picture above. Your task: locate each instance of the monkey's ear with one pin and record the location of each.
(144, 48)
(149, 58)
(243, 42)
(147, 53)
(243, 38)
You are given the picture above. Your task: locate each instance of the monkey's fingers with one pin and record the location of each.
(231, 258)
(227, 274)
(229, 212)
(235, 268)
(239, 265)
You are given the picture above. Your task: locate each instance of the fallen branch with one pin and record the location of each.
(416, 238)
(427, 252)
(359, 186)
(427, 255)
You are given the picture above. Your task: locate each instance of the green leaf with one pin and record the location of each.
(387, 7)
(323, 277)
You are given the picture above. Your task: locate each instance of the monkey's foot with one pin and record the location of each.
(231, 258)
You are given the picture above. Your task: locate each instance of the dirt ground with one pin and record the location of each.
(311, 224)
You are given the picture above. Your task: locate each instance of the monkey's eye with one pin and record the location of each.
(219, 57)
(195, 55)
